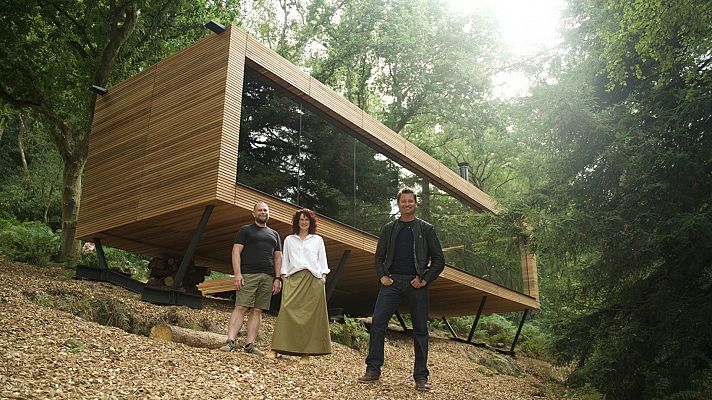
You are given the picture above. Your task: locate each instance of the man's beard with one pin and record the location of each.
(261, 219)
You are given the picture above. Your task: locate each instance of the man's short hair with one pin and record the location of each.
(407, 191)
(254, 208)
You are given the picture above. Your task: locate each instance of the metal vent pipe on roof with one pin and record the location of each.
(464, 170)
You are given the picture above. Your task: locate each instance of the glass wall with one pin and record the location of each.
(292, 151)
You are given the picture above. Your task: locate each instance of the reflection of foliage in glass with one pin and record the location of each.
(480, 243)
(291, 151)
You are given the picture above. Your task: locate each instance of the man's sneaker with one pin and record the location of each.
(252, 349)
(228, 346)
(369, 377)
(421, 384)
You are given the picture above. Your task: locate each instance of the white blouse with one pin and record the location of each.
(298, 254)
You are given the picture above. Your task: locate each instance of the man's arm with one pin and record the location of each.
(380, 257)
(277, 283)
(437, 258)
(236, 251)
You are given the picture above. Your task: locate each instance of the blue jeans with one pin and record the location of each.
(389, 298)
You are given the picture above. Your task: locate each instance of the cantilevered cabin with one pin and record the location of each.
(163, 156)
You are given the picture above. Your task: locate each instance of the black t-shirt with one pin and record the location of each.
(259, 246)
(403, 256)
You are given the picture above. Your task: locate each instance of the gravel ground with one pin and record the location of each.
(50, 354)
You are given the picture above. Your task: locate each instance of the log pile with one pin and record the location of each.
(162, 272)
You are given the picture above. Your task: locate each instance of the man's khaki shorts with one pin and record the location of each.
(257, 291)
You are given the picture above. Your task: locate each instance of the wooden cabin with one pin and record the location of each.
(163, 150)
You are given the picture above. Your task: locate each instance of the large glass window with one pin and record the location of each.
(291, 151)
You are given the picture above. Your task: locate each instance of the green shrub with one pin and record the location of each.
(533, 342)
(31, 242)
(351, 333)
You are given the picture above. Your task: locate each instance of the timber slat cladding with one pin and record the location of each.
(277, 66)
(227, 169)
(333, 103)
(164, 146)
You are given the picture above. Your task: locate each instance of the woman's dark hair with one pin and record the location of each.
(312, 220)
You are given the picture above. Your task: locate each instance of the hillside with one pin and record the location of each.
(49, 353)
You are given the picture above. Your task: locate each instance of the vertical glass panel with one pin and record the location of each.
(291, 151)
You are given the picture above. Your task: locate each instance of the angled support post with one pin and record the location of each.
(477, 319)
(100, 256)
(402, 323)
(188, 257)
(449, 327)
(519, 330)
(331, 283)
(174, 295)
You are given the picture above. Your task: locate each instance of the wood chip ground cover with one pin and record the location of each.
(49, 353)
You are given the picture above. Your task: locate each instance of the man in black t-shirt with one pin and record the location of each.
(256, 262)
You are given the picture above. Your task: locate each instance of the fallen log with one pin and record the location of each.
(176, 334)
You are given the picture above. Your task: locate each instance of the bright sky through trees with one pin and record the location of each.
(527, 27)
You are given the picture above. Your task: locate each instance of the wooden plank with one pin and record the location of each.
(277, 67)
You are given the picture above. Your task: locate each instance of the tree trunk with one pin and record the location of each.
(71, 194)
(21, 146)
(425, 200)
(176, 334)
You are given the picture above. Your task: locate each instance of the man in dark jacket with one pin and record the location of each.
(408, 258)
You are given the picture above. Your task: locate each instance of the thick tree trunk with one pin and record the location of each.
(176, 334)
(71, 194)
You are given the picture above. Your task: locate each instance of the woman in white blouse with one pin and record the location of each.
(302, 326)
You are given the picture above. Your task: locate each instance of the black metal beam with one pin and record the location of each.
(519, 330)
(336, 274)
(188, 257)
(100, 256)
(174, 295)
(402, 323)
(449, 327)
(103, 273)
(477, 319)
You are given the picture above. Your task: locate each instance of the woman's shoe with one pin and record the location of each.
(304, 360)
(271, 355)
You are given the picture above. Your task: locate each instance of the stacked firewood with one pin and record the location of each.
(162, 272)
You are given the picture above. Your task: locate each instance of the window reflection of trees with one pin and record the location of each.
(289, 150)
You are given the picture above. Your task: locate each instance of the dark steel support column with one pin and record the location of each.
(519, 330)
(449, 327)
(477, 319)
(174, 295)
(336, 274)
(400, 319)
(188, 257)
(100, 256)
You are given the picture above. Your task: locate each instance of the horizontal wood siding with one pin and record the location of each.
(112, 179)
(186, 130)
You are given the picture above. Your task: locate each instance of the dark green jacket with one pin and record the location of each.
(428, 254)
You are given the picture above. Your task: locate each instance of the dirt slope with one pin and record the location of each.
(47, 353)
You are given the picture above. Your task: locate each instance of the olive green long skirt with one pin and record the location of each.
(302, 326)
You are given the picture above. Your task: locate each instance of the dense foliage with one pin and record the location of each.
(625, 141)
(608, 161)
